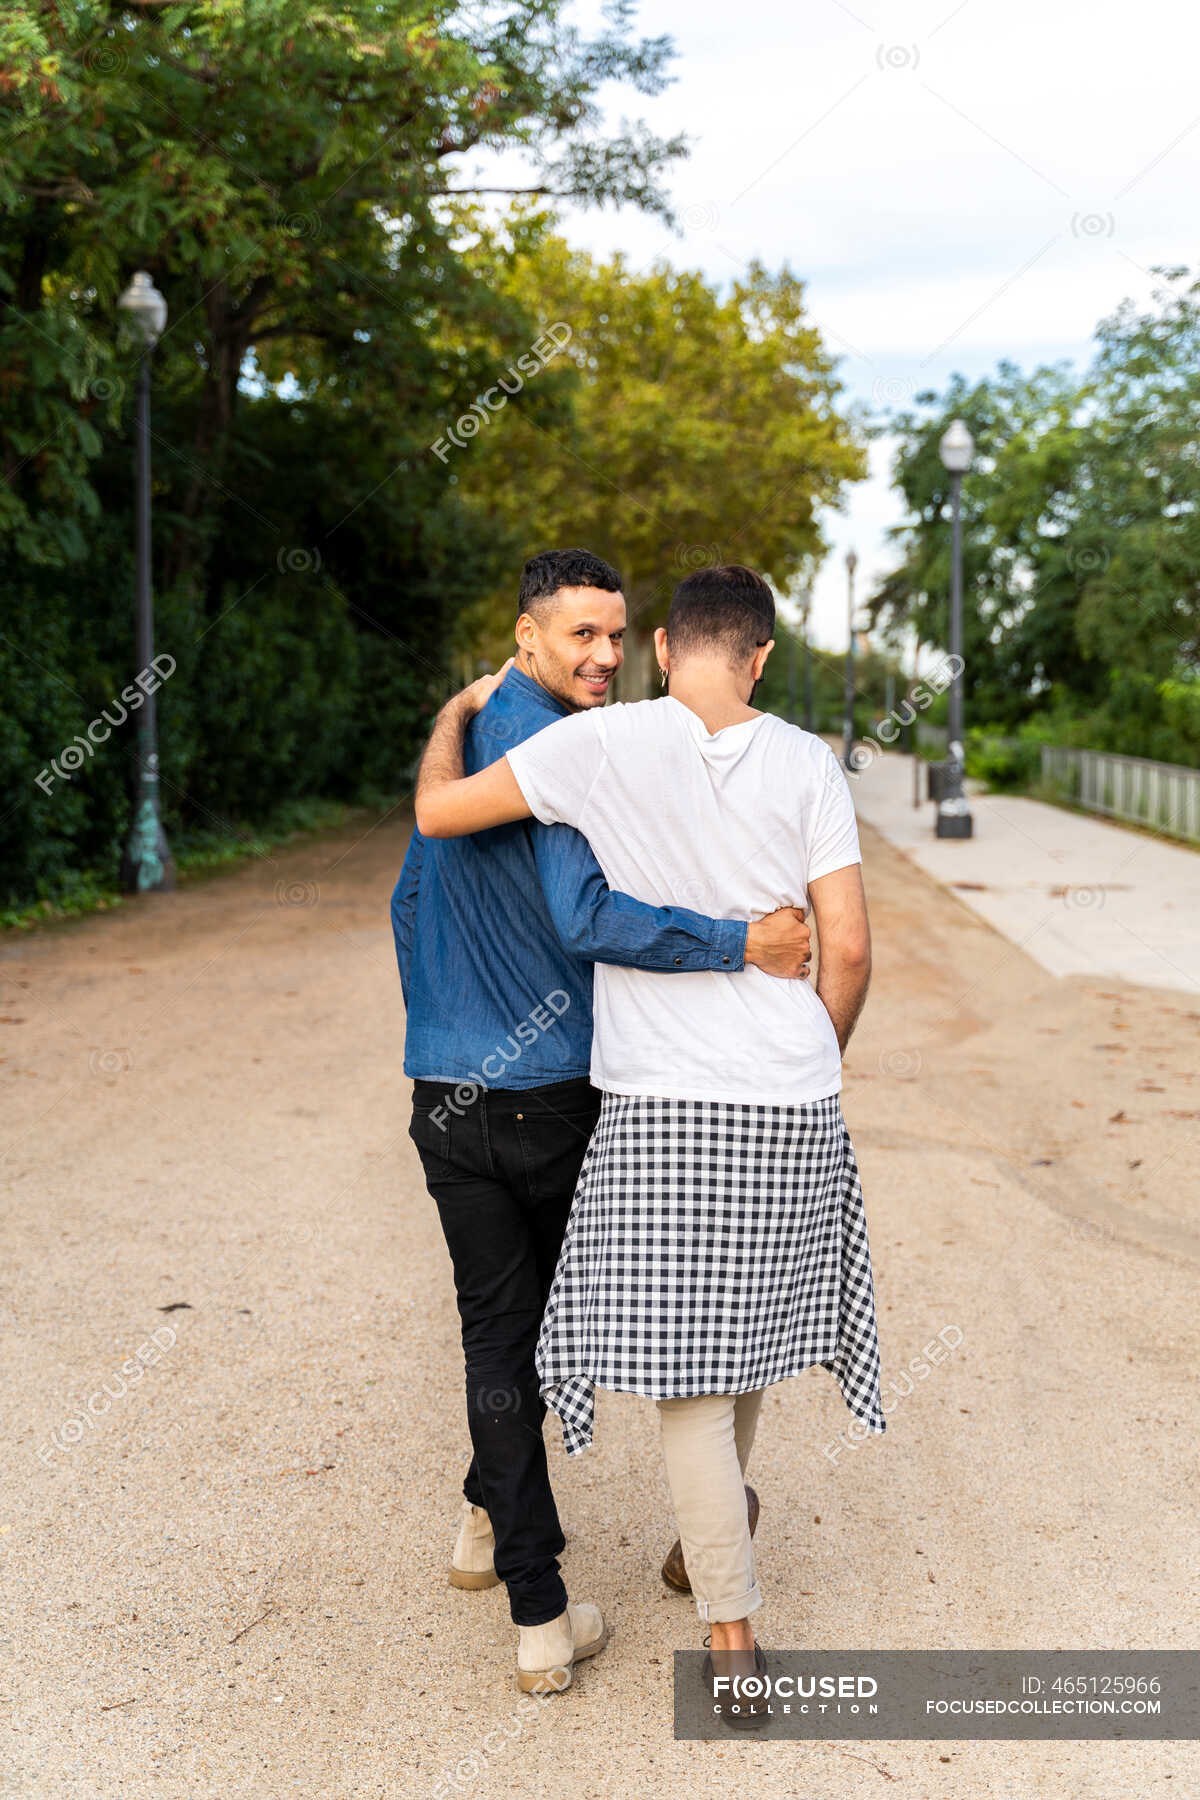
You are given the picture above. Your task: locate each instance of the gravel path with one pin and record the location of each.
(231, 1581)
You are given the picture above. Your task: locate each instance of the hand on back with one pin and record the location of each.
(475, 697)
(781, 943)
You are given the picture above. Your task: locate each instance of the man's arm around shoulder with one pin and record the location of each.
(449, 803)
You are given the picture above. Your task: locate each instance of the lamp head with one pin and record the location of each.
(957, 447)
(146, 307)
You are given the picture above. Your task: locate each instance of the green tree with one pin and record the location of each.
(1081, 534)
(1022, 576)
(300, 183)
(703, 428)
(291, 175)
(1138, 486)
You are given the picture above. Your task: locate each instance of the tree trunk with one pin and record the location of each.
(639, 678)
(229, 338)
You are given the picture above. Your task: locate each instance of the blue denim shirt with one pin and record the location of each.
(496, 934)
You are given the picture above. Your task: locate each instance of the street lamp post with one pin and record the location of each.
(954, 814)
(808, 673)
(148, 865)
(791, 675)
(848, 712)
(913, 744)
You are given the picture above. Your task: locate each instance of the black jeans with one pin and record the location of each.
(502, 1171)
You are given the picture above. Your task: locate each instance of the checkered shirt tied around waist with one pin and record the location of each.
(712, 1248)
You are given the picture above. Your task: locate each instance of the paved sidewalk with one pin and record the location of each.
(1080, 895)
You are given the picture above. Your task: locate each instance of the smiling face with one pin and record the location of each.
(571, 644)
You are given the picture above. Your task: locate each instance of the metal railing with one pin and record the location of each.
(1165, 796)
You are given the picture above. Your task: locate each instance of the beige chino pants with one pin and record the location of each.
(706, 1443)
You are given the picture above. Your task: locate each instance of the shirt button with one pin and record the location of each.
(520, 1115)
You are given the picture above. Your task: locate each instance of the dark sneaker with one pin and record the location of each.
(739, 1711)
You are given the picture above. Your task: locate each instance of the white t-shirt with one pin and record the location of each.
(733, 823)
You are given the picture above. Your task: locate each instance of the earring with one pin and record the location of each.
(662, 677)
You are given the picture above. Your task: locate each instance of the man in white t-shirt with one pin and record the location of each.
(717, 1242)
(740, 819)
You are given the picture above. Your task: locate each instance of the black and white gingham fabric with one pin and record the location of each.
(712, 1248)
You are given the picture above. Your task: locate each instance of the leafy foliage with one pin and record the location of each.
(298, 182)
(702, 428)
(1081, 536)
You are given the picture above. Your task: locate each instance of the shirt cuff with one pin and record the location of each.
(729, 944)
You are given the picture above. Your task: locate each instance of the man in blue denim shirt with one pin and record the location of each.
(495, 936)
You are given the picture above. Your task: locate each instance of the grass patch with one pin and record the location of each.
(199, 853)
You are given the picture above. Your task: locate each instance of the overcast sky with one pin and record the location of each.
(957, 181)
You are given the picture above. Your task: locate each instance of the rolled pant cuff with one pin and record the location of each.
(724, 1612)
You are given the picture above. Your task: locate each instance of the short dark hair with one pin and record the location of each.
(550, 570)
(728, 608)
